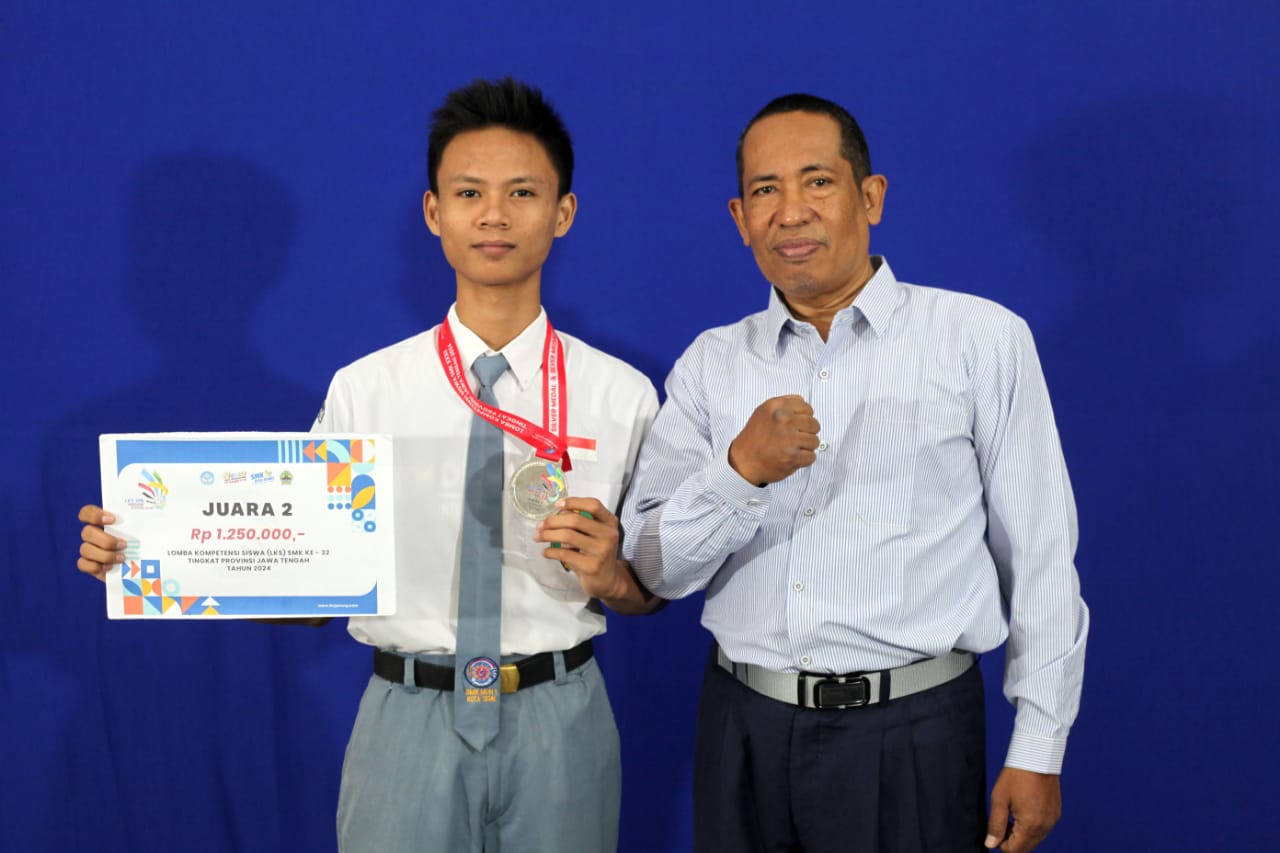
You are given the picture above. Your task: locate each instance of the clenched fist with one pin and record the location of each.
(780, 436)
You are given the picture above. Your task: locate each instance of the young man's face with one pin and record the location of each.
(802, 212)
(497, 210)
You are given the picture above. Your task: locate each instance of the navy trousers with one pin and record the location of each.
(900, 777)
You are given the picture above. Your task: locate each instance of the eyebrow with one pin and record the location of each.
(812, 167)
(519, 179)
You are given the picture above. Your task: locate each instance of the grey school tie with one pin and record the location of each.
(480, 587)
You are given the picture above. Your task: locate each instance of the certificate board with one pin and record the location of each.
(239, 525)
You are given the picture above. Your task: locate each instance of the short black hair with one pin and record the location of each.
(500, 103)
(853, 145)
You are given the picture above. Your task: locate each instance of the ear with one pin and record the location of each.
(431, 211)
(735, 210)
(566, 209)
(873, 190)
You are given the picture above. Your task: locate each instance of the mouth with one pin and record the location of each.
(796, 248)
(493, 248)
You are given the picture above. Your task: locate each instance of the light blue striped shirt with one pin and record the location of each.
(939, 500)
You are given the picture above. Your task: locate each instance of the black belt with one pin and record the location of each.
(532, 670)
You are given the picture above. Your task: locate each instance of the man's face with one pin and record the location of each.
(802, 212)
(497, 210)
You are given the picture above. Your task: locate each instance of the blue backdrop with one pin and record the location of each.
(209, 207)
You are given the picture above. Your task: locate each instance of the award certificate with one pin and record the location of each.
(250, 524)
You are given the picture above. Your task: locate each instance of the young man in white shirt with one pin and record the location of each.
(500, 168)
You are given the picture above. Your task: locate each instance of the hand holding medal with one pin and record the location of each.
(584, 537)
(536, 489)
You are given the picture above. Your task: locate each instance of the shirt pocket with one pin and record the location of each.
(549, 574)
(908, 465)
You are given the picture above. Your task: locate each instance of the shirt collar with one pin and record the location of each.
(524, 352)
(877, 301)
(777, 319)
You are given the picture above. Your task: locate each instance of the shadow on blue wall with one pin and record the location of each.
(254, 715)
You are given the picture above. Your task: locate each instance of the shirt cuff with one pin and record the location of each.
(729, 485)
(1036, 753)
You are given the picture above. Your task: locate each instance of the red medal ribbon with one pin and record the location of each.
(550, 440)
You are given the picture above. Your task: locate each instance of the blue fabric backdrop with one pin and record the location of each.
(208, 207)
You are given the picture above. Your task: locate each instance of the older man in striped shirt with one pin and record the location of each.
(866, 480)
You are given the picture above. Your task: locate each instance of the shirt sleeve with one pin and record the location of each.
(335, 412)
(642, 423)
(1032, 536)
(687, 510)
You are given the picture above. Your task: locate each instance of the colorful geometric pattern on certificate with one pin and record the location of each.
(350, 485)
(147, 593)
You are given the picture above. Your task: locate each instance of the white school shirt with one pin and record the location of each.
(402, 390)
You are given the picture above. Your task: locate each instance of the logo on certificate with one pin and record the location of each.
(154, 493)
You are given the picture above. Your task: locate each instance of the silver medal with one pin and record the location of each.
(535, 487)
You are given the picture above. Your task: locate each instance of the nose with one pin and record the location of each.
(792, 208)
(494, 214)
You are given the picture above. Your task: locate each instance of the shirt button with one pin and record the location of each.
(822, 446)
(798, 586)
(808, 511)
(753, 502)
(805, 660)
(824, 373)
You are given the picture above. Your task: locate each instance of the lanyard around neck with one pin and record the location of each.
(549, 441)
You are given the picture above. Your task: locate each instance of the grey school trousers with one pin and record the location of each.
(551, 780)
